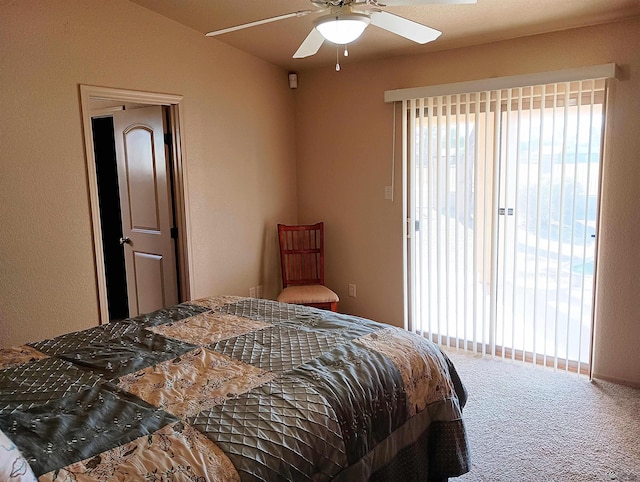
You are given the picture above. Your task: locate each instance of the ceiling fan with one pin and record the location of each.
(345, 20)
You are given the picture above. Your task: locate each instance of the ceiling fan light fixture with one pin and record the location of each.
(342, 29)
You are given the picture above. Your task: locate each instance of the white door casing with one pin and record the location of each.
(91, 99)
(145, 198)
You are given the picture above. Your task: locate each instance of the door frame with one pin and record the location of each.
(179, 184)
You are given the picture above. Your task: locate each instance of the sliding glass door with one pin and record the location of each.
(502, 196)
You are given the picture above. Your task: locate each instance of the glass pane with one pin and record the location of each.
(546, 257)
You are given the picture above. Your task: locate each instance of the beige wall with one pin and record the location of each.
(240, 157)
(344, 161)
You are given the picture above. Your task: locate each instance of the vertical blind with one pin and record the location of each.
(501, 202)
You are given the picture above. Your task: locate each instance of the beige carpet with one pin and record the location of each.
(535, 424)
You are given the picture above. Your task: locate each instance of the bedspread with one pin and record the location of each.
(228, 388)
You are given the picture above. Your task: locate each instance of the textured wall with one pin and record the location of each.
(238, 118)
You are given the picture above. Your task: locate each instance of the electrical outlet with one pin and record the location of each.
(352, 290)
(252, 292)
(259, 291)
(388, 192)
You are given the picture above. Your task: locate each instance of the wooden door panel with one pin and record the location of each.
(143, 178)
(149, 281)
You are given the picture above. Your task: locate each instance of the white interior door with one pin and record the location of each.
(147, 217)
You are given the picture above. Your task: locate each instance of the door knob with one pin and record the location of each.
(125, 240)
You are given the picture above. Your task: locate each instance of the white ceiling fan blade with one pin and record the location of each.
(310, 46)
(404, 27)
(300, 13)
(398, 3)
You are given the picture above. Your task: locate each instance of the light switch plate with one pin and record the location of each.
(352, 290)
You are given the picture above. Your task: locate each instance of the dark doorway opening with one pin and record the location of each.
(110, 216)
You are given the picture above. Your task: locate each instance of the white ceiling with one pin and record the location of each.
(461, 25)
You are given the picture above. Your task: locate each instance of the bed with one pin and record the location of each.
(228, 388)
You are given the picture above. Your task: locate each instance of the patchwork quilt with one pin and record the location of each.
(226, 389)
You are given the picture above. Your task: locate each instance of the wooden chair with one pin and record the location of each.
(302, 262)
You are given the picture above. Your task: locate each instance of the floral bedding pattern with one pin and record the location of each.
(175, 452)
(227, 388)
(198, 380)
(13, 466)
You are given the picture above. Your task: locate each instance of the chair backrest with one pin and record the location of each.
(302, 254)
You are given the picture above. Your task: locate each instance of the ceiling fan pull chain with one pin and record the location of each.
(337, 60)
(346, 51)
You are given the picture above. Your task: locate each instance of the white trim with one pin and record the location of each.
(88, 92)
(604, 71)
(405, 221)
(124, 95)
(181, 194)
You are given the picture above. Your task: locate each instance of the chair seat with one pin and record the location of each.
(308, 294)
